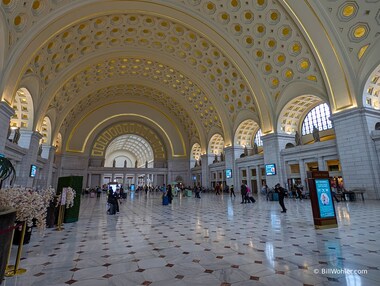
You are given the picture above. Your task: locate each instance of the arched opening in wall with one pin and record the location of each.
(46, 131)
(244, 134)
(290, 118)
(58, 144)
(258, 143)
(316, 125)
(195, 155)
(377, 126)
(129, 151)
(371, 94)
(216, 146)
(24, 111)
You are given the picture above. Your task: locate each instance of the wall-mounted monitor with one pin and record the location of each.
(270, 169)
(228, 173)
(33, 171)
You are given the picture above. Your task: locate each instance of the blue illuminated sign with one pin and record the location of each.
(33, 171)
(270, 169)
(325, 202)
(228, 174)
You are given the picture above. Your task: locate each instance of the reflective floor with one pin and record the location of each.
(214, 240)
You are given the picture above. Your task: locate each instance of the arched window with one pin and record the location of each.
(319, 117)
(257, 139)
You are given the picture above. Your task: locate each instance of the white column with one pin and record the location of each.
(248, 177)
(205, 170)
(6, 113)
(258, 178)
(301, 164)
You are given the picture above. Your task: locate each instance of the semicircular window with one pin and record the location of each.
(319, 117)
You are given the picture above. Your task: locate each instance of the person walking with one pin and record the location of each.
(217, 189)
(197, 190)
(170, 193)
(232, 192)
(281, 195)
(249, 195)
(243, 192)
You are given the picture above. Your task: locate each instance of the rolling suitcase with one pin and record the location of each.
(165, 200)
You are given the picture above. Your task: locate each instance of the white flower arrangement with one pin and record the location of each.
(29, 204)
(70, 195)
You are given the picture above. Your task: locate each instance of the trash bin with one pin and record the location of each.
(189, 193)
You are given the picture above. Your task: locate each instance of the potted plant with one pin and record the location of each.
(7, 216)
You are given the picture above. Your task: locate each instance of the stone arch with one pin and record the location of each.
(84, 129)
(291, 116)
(371, 93)
(245, 132)
(105, 137)
(289, 145)
(133, 148)
(46, 131)
(195, 154)
(216, 144)
(336, 78)
(24, 110)
(58, 143)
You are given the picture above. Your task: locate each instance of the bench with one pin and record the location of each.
(359, 192)
(351, 195)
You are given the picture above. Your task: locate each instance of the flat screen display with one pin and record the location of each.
(228, 174)
(33, 171)
(325, 202)
(270, 169)
(114, 186)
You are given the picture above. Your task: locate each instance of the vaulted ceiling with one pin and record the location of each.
(187, 69)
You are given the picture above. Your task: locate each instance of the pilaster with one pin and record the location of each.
(273, 143)
(231, 153)
(357, 151)
(47, 172)
(6, 113)
(205, 159)
(28, 140)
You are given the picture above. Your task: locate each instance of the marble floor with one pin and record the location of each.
(214, 240)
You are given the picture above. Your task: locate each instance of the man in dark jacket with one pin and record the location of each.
(281, 195)
(243, 191)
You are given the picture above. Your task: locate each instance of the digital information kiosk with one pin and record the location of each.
(322, 202)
